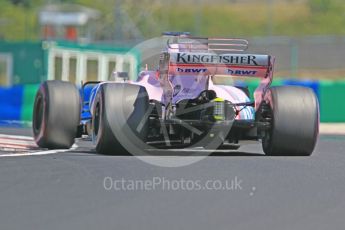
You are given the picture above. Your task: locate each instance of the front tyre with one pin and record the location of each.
(56, 115)
(294, 113)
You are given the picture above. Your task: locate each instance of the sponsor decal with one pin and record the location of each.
(242, 72)
(191, 70)
(219, 59)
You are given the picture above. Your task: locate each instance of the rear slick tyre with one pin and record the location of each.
(118, 113)
(56, 115)
(295, 122)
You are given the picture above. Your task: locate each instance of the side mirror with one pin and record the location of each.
(119, 76)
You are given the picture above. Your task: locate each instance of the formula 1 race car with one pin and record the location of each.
(182, 105)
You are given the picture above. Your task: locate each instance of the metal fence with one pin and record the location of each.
(307, 57)
(34, 62)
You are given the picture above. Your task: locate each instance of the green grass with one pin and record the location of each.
(219, 18)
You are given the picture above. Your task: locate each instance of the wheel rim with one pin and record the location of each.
(38, 118)
(267, 140)
(96, 120)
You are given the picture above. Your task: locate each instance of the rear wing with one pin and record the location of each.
(198, 44)
(238, 65)
(232, 65)
(189, 55)
(186, 55)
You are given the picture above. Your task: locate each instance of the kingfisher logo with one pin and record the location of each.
(236, 59)
(242, 72)
(191, 70)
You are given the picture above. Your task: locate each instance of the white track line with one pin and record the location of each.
(48, 152)
(17, 142)
(7, 139)
(19, 147)
(16, 137)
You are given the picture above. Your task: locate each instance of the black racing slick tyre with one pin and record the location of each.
(56, 115)
(119, 123)
(294, 122)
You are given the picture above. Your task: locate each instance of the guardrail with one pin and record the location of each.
(16, 102)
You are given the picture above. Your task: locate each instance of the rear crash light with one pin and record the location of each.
(223, 110)
(218, 109)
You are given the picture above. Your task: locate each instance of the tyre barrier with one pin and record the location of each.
(16, 102)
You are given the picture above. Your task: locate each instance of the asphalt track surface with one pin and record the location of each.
(66, 190)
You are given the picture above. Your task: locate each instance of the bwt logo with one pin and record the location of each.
(242, 72)
(189, 70)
